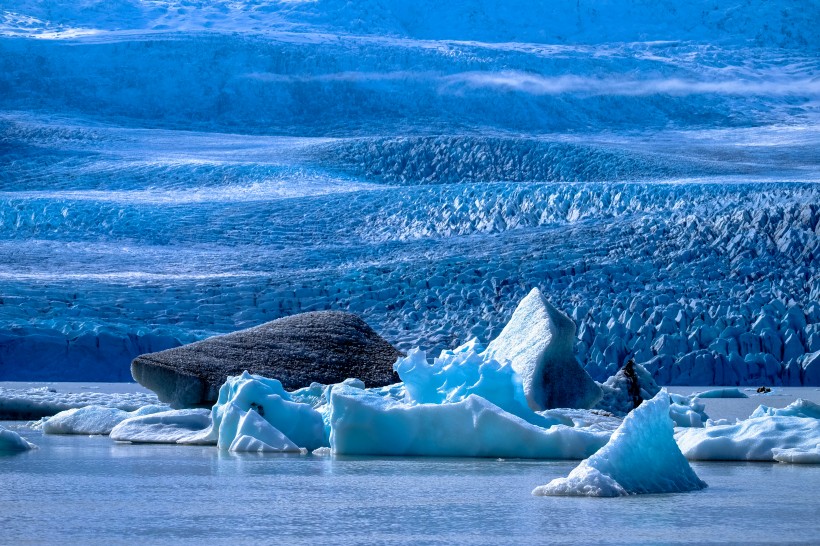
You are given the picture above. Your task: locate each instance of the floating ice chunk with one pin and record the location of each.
(798, 408)
(641, 457)
(750, 440)
(722, 393)
(538, 341)
(625, 390)
(686, 411)
(256, 434)
(457, 374)
(300, 423)
(93, 419)
(322, 452)
(365, 423)
(10, 441)
(797, 456)
(37, 402)
(167, 427)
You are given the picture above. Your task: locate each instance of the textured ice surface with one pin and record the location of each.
(93, 419)
(364, 423)
(640, 457)
(538, 342)
(687, 411)
(10, 441)
(797, 456)
(33, 403)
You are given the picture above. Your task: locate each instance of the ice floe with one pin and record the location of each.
(640, 457)
(722, 393)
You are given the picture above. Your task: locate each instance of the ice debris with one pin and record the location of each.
(10, 441)
(640, 457)
(798, 408)
(687, 411)
(539, 342)
(37, 402)
(93, 419)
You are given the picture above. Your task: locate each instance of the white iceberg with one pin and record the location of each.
(167, 427)
(539, 342)
(754, 439)
(799, 408)
(687, 411)
(10, 441)
(93, 419)
(365, 423)
(641, 457)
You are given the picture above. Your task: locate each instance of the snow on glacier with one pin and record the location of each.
(640, 457)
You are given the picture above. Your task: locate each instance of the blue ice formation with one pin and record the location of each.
(722, 393)
(640, 457)
(10, 441)
(538, 341)
(364, 423)
(93, 419)
(765, 435)
(279, 423)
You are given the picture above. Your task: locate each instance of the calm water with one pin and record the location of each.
(91, 490)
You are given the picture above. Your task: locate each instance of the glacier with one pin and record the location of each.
(170, 173)
(640, 457)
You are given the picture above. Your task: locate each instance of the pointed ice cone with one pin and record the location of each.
(538, 341)
(641, 457)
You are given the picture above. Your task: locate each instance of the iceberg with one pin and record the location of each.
(365, 423)
(798, 408)
(755, 439)
(93, 419)
(300, 424)
(167, 427)
(627, 389)
(722, 393)
(10, 441)
(641, 457)
(686, 411)
(538, 341)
